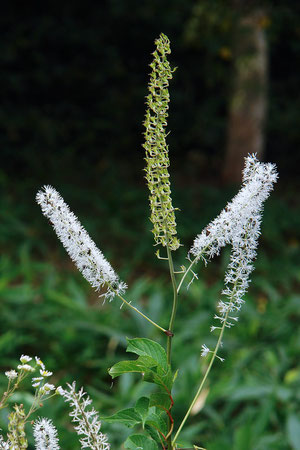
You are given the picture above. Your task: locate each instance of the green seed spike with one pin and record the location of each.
(16, 428)
(157, 158)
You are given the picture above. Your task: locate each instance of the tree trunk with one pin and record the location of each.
(247, 109)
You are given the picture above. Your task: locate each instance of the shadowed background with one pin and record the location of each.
(73, 81)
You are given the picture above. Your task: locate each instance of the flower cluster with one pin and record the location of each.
(82, 250)
(230, 225)
(238, 225)
(88, 421)
(39, 382)
(157, 175)
(45, 435)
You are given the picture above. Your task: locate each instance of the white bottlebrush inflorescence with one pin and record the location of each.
(238, 225)
(45, 435)
(87, 419)
(258, 180)
(82, 250)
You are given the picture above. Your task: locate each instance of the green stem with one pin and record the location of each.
(203, 380)
(185, 273)
(137, 311)
(171, 325)
(174, 307)
(234, 288)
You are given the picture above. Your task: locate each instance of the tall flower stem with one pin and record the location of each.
(174, 307)
(214, 355)
(171, 326)
(202, 382)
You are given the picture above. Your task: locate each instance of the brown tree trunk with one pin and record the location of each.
(247, 109)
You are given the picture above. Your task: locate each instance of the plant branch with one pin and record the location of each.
(138, 311)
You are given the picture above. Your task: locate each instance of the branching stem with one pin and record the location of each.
(138, 311)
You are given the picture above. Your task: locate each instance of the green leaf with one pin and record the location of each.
(139, 365)
(146, 347)
(243, 438)
(160, 400)
(142, 408)
(129, 417)
(155, 423)
(160, 377)
(293, 431)
(140, 442)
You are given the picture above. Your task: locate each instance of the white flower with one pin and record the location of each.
(36, 381)
(25, 358)
(60, 390)
(25, 367)
(47, 388)
(82, 250)
(205, 350)
(87, 419)
(45, 435)
(46, 373)
(229, 226)
(11, 374)
(40, 362)
(239, 225)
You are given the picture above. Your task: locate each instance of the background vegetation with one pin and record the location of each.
(74, 80)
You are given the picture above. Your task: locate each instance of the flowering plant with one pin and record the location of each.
(238, 225)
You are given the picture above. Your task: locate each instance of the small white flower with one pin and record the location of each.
(46, 373)
(36, 381)
(11, 374)
(25, 358)
(40, 362)
(45, 435)
(60, 390)
(47, 388)
(205, 350)
(25, 367)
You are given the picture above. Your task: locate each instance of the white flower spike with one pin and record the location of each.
(88, 423)
(238, 225)
(82, 250)
(45, 435)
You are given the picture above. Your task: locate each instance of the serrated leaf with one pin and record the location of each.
(129, 417)
(147, 347)
(142, 408)
(160, 400)
(140, 442)
(139, 365)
